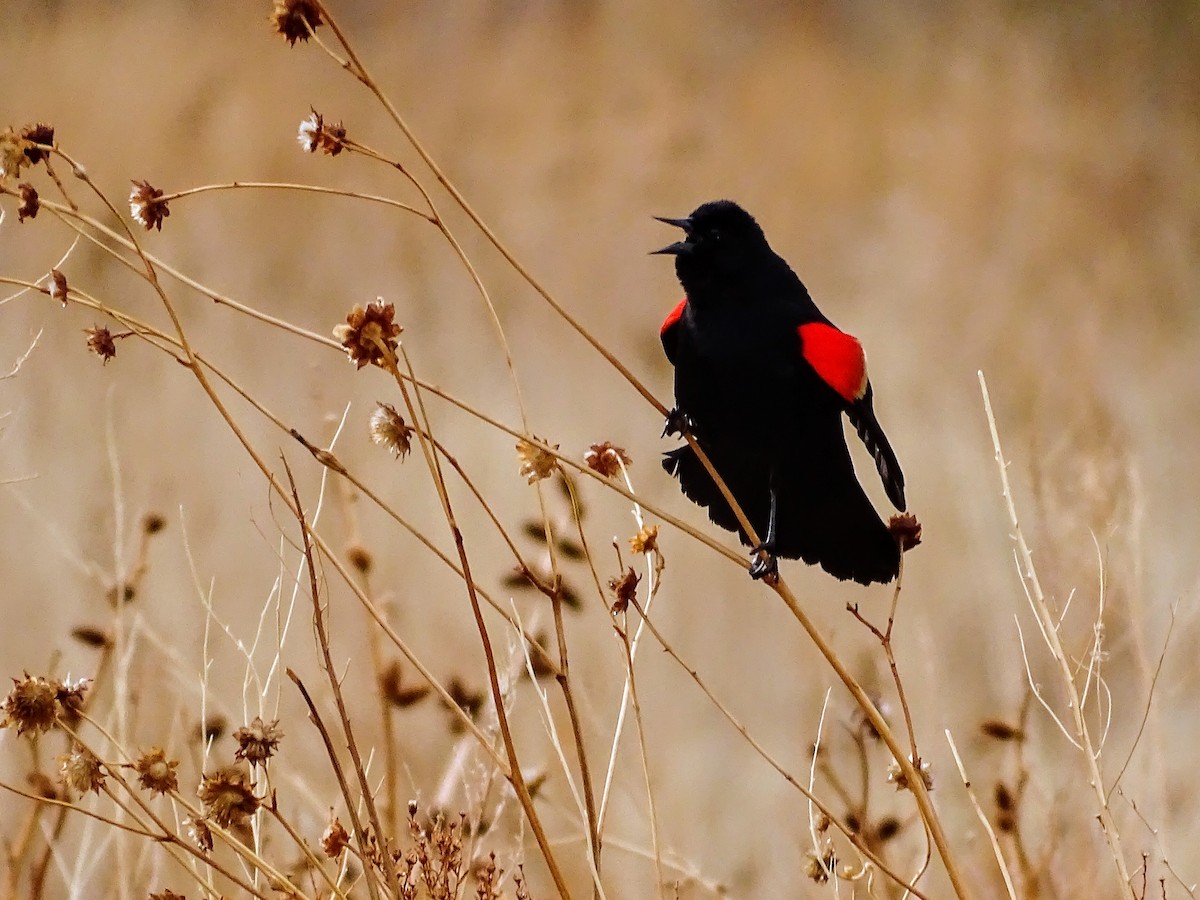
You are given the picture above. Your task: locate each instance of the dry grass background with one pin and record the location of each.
(989, 186)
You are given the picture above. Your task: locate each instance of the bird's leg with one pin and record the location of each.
(678, 422)
(765, 564)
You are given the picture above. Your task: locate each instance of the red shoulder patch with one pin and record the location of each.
(674, 316)
(837, 357)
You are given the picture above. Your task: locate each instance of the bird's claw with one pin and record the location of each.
(678, 422)
(765, 565)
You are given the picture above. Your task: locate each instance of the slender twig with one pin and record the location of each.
(987, 826)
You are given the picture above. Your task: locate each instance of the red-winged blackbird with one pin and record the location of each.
(761, 381)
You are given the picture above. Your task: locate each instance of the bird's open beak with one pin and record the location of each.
(679, 247)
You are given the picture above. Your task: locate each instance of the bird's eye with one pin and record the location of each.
(714, 235)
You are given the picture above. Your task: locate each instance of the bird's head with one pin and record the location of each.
(720, 241)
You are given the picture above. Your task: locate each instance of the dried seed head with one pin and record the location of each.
(156, 773)
(71, 699)
(38, 134)
(81, 771)
(360, 557)
(58, 287)
(91, 636)
(819, 868)
(887, 828)
(145, 207)
(12, 154)
(153, 523)
(315, 135)
(388, 429)
(29, 202)
(469, 701)
(257, 741)
(32, 705)
(293, 20)
(897, 777)
(1001, 731)
(212, 729)
(906, 531)
(1006, 808)
(391, 685)
(624, 587)
(645, 541)
(100, 341)
(536, 463)
(335, 839)
(200, 833)
(367, 330)
(227, 797)
(606, 459)
(167, 895)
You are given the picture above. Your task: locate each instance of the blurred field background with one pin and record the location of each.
(1002, 186)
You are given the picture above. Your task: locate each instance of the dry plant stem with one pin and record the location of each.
(1049, 627)
(368, 798)
(351, 806)
(885, 641)
(983, 819)
(515, 777)
(660, 881)
(355, 67)
(272, 809)
(787, 776)
(71, 807)
(303, 188)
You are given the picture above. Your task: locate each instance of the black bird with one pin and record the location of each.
(762, 378)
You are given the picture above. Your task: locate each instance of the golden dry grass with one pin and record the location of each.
(990, 186)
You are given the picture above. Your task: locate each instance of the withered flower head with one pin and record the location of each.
(315, 135)
(897, 777)
(81, 770)
(1006, 808)
(645, 541)
(91, 636)
(1001, 731)
(70, 696)
(29, 202)
(167, 895)
(624, 587)
(100, 341)
(906, 530)
(292, 19)
(145, 207)
(391, 685)
(12, 154)
(32, 704)
(58, 287)
(335, 839)
(227, 797)
(257, 741)
(38, 134)
(536, 463)
(366, 329)
(388, 429)
(819, 868)
(156, 773)
(153, 523)
(606, 459)
(469, 701)
(200, 833)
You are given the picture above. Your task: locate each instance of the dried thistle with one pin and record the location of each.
(906, 531)
(29, 202)
(360, 557)
(153, 523)
(295, 20)
(12, 154)
(315, 135)
(819, 868)
(58, 287)
(257, 741)
(645, 541)
(146, 207)
(897, 777)
(90, 636)
(81, 770)
(37, 134)
(100, 341)
(335, 839)
(536, 463)
(391, 685)
(32, 705)
(227, 797)
(624, 587)
(1001, 731)
(156, 773)
(367, 330)
(606, 459)
(388, 429)
(70, 697)
(200, 833)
